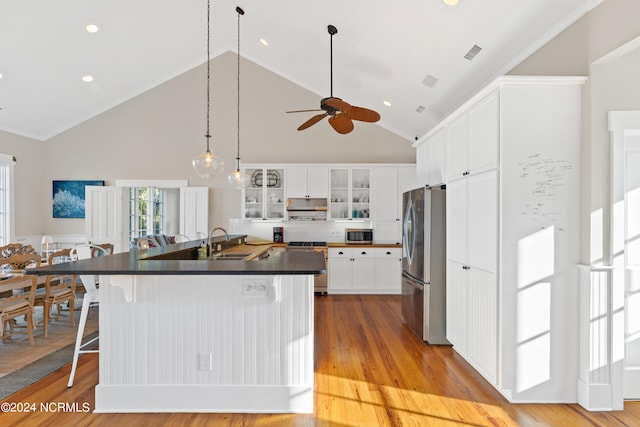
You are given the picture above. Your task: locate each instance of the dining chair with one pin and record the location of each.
(17, 263)
(57, 290)
(90, 299)
(19, 302)
(108, 249)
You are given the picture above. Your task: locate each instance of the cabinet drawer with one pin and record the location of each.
(340, 253)
(363, 252)
(388, 252)
(352, 253)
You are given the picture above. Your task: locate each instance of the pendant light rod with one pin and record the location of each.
(208, 164)
(208, 134)
(240, 12)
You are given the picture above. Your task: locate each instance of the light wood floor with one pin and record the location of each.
(370, 371)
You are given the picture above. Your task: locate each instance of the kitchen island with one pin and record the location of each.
(188, 335)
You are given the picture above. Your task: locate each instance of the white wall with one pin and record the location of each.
(156, 134)
(31, 206)
(611, 86)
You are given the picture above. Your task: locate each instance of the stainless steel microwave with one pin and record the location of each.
(358, 235)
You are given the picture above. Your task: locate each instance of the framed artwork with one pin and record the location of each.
(68, 198)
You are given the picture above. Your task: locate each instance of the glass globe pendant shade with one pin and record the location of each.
(237, 179)
(207, 164)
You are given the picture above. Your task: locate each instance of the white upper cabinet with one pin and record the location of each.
(386, 195)
(264, 195)
(350, 193)
(484, 134)
(436, 162)
(472, 139)
(430, 159)
(308, 181)
(422, 162)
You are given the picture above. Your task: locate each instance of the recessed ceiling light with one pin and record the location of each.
(387, 103)
(87, 79)
(450, 2)
(264, 42)
(0, 76)
(91, 28)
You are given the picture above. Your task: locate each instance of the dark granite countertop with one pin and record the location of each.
(135, 262)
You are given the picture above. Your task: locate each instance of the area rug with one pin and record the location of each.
(35, 371)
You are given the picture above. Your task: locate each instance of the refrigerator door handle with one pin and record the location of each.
(412, 282)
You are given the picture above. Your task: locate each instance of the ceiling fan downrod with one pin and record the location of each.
(333, 31)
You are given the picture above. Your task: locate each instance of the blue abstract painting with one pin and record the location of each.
(68, 198)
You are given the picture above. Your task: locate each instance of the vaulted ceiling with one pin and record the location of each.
(410, 53)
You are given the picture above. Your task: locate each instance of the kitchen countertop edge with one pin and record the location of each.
(135, 263)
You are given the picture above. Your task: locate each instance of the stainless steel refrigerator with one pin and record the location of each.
(424, 263)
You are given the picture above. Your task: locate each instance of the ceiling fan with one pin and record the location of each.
(341, 114)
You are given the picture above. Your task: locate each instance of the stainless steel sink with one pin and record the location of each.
(229, 256)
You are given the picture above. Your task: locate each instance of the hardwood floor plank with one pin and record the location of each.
(371, 370)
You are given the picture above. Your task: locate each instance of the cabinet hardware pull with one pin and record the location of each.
(388, 253)
(340, 253)
(363, 253)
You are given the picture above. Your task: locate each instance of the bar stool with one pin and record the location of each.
(90, 299)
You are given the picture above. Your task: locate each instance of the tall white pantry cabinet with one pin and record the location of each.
(511, 165)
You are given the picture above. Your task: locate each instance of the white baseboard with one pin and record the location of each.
(595, 397)
(204, 398)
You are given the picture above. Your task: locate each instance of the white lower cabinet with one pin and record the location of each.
(472, 204)
(359, 270)
(388, 270)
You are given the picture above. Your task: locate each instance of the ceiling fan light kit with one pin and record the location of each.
(208, 164)
(341, 114)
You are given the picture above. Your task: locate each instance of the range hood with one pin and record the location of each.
(306, 204)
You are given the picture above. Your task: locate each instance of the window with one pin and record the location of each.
(146, 214)
(6, 198)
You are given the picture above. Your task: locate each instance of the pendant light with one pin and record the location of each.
(238, 179)
(208, 163)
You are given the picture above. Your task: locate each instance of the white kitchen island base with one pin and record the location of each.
(206, 343)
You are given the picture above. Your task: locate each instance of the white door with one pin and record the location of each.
(105, 216)
(631, 387)
(194, 211)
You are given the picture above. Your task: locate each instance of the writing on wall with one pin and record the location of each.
(544, 185)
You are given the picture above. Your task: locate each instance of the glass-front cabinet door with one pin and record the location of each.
(264, 195)
(350, 196)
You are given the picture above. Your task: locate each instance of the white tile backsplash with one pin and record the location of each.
(329, 231)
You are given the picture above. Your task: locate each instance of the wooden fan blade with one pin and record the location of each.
(303, 111)
(341, 123)
(337, 103)
(312, 121)
(362, 114)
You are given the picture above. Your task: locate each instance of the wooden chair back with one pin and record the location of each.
(20, 262)
(20, 291)
(58, 289)
(16, 249)
(108, 250)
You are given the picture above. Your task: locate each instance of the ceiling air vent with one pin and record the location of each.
(420, 108)
(430, 81)
(473, 52)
